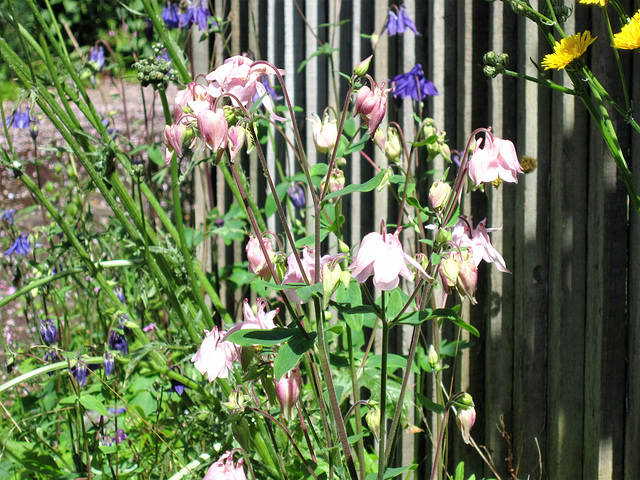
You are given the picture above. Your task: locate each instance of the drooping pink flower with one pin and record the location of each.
(288, 391)
(238, 77)
(382, 255)
(477, 239)
(215, 356)
(493, 159)
(257, 263)
(372, 105)
(225, 469)
(213, 128)
(325, 133)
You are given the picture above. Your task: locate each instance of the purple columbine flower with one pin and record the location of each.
(108, 364)
(97, 56)
(7, 215)
(79, 371)
(296, 195)
(116, 411)
(120, 436)
(170, 15)
(412, 84)
(400, 23)
(48, 331)
(19, 118)
(119, 294)
(199, 15)
(117, 341)
(20, 246)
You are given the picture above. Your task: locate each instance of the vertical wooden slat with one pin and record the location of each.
(530, 326)
(606, 323)
(632, 408)
(567, 279)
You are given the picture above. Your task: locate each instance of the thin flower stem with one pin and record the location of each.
(383, 393)
(546, 82)
(445, 415)
(288, 434)
(355, 388)
(623, 80)
(177, 207)
(333, 399)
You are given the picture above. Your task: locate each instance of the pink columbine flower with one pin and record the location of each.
(288, 391)
(215, 356)
(382, 255)
(213, 128)
(325, 133)
(494, 159)
(477, 239)
(225, 469)
(261, 320)
(238, 77)
(257, 262)
(372, 105)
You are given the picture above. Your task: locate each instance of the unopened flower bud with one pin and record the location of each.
(173, 135)
(443, 236)
(297, 196)
(374, 41)
(490, 58)
(336, 180)
(438, 195)
(467, 281)
(362, 68)
(288, 391)
(449, 269)
(432, 357)
(257, 262)
(373, 421)
(380, 139)
(330, 281)
(465, 416)
(429, 128)
(236, 136)
(393, 146)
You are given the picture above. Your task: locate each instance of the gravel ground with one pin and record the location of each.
(109, 102)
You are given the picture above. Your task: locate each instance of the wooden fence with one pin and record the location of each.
(558, 359)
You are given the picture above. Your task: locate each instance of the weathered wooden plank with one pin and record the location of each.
(531, 283)
(632, 407)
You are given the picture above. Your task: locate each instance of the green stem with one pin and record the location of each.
(331, 390)
(177, 207)
(356, 399)
(383, 390)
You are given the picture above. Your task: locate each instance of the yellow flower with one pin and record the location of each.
(629, 36)
(595, 2)
(567, 50)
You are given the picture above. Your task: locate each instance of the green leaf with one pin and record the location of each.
(358, 187)
(307, 291)
(289, 355)
(265, 338)
(392, 472)
(324, 49)
(270, 203)
(155, 155)
(394, 362)
(429, 405)
(349, 127)
(92, 403)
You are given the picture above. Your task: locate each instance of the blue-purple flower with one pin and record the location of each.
(177, 386)
(79, 371)
(20, 246)
(48, 331)
(108, 364)
(170, 15)
(296, 195)
(412, 84)
(199, 15)
(400, 22)
(97, 57)
(111, 131)
(7, 215)
(117, 341)
(19, 118)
